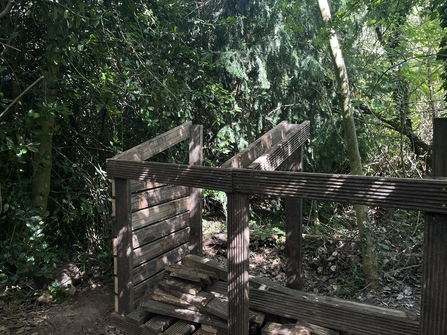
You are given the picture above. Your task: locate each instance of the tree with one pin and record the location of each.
(370, 266)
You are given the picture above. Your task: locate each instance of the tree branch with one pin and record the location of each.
(20, 95)
(7, 9)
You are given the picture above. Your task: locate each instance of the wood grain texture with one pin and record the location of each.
(154, 249)
(184, 314)
(358, 321)
(149, 269)
(404, 193)
(274, 157)
(122, 230)
(238, 263)
(148, 216)
(434, 273)
(160, 229)
(195, 203)
(157, 144)
(153, 197)
(257, 148)
(293, 227)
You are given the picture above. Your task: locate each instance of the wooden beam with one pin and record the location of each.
(195, 203)
(293, 228)
(357, 321)
(405, 193)
(257, 148)
(122, 230)
(157, 144)
(238, 263)
(274, 157)
(434, 284)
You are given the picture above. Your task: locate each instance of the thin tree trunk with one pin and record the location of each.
(43, 158)
(370, 267)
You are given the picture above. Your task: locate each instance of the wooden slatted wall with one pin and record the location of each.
(160, 230)
(152, 222)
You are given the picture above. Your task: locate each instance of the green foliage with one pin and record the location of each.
(59, 294)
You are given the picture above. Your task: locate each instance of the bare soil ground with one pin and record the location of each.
(87, 312)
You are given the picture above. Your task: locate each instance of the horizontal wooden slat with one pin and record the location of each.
(414, 194)
(157, 230)
(257, 148)
(151, 268)
(184, 314)
(273, 158)
(157, 144)
(157, 196)
(356, 321)
(158, 247)
(194, 176)
(157, 213)
(143, 185)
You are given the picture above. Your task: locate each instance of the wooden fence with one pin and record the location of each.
(244, 175)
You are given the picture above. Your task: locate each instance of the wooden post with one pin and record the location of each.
(238, 263)
(294, 223)
(195, 197)
(122, 247)
(434, 276)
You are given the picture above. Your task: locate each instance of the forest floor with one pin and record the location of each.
(331, 267)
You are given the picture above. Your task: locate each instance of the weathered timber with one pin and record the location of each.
(434, 284)
(181, 327)
(157, 144)
(200, 299)
(184, 314)
(218, 308)
(158, 247)
(139, 316)
(268, 285)
(199, 272)
(238, 263)
(154, 266)
(274, 157)
(127, 327)
(150, 215)
(178, 271)
(157, 196)
(293, 227)
(322, 311)
(257, 148)
(194, 261)
(140, 290)
(221, 331)
(158, 295)
(157, 230)
(160, 323)
(195, 204)
(413, 194)
(359, 321)
(257, 318)
(317, 330)
(272, 328)
(210, 329)
(175, 284)
(122, 229)
(142, 185)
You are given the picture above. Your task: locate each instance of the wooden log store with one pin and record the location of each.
(164, 286)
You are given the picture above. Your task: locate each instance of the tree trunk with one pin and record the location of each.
(43, 158)
(370, 266)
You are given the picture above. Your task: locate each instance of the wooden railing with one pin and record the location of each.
(429, 195)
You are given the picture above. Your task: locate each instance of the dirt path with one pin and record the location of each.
(86, 313)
